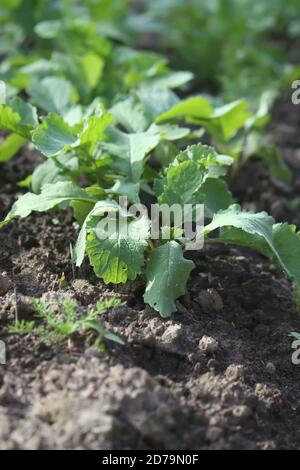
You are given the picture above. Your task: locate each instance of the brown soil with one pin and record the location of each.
(217, 375)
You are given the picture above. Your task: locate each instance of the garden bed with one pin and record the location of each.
(217, 375)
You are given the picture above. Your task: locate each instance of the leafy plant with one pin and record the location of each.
(111, 125)
(61, 321)
(193, 177)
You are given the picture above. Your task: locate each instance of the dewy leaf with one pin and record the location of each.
(167, 275)
(118, 257)
(131, 150)
(53, 136)
(52, 94)
(194, 107)
(52, 195)
(279, 242)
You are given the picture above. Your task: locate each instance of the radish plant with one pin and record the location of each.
(195, 176)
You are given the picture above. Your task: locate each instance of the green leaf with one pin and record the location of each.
(169, 132)
(295, 335)
(167, 275)
(274, 158)
(94, 130)
(96, 326)
(53, 136)
(194, 107)
(99, 210)
(131, 149)
(227, 120)
(92, 65)
(130, 115)
(126, 188)
(215, 195)
(170, 80)
(156, 101)
(18, 117)
(52, 195)
(188, 173)
(11, 146)
(118, 257)
(279, 242)
(53, 170)
(52, 94)
(182, 182)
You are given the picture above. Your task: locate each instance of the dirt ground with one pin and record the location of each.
(217, 375)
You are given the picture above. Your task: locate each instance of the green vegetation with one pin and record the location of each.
(56, 323)
(114, 120)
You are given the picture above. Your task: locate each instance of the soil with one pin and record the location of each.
(217, 375)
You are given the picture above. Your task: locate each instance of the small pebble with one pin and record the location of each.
(208, 344)
(172, 334)
(5, 284)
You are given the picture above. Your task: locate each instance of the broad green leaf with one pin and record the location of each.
(169, 132)
(194, 107)
(130, 115)
(228, 120)
(51, 196)
(118, 257)
(126, 188)
(131, 150)
(170, 80)
(52, 94)
(94, 130)
(81, 210)
(18, 117)
(167, 275)
(92, 65)
(11, 146)
(100, 208)
(54, 170)
(27, 113)
(279, 242)
(184, 180)
(215, 195)
(53, 136)
(156, 101)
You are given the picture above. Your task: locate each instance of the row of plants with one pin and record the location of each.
(109, 123)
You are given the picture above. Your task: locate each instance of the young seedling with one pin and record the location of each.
(59, 322)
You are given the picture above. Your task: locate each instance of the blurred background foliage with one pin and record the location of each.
(235, 48)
